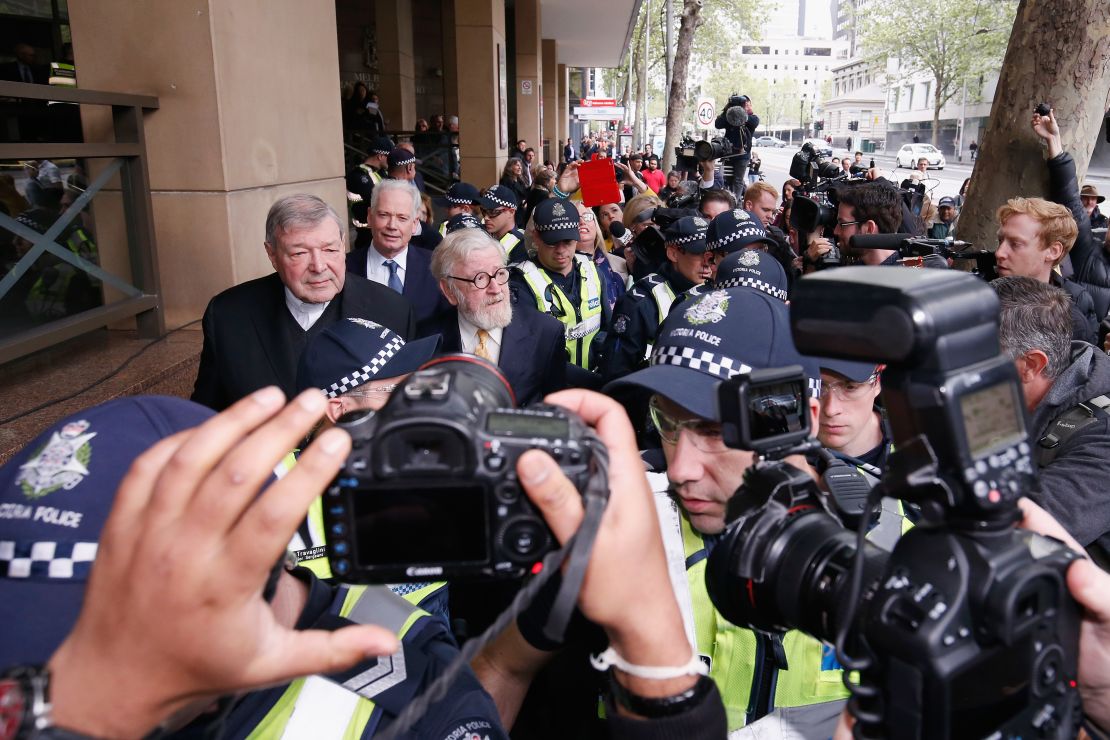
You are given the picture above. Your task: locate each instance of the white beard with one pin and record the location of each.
(490, 317)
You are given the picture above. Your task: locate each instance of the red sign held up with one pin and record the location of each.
(598, 102)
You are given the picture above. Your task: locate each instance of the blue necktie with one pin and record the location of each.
(394, 280)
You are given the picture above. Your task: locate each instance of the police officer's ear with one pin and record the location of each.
(673, 253)
(336, 407)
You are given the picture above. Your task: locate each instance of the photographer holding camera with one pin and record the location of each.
(739, 122)
(864, 208)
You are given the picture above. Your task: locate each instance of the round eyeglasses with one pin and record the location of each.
(483, 279)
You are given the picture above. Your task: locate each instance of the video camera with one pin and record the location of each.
(429, 490)
(649, 246)
(966, 629)
(922, 252)
(686, 159)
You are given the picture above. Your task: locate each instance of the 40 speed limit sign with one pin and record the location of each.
(706, 112)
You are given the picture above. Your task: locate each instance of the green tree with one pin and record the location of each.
(952, 40)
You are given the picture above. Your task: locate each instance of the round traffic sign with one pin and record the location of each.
(706, 112)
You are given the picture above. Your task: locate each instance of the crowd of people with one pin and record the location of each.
(210, 602)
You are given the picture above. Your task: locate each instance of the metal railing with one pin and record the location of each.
(437, 162)
(128, 157)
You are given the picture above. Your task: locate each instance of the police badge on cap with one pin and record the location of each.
(556, 220)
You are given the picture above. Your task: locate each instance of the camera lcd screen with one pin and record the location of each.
(992, 419)
(419, 526)
(527, 425)
(777, 409)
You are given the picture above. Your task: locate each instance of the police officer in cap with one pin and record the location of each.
(461, 197)
(461, 221)
(639, 313)
(499, 206)
(360, 185)
(749, 268)
(563, 283)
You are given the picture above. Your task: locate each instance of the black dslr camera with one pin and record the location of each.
(966, 629)
(429, 491)
(716, 148)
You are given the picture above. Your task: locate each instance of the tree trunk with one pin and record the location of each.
(1059, 53)
(641, 90)
(677, 109)
(937, 105)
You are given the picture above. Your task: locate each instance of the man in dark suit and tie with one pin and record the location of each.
(254, 333)
(389, 259)
(529, 347)
(24, 68)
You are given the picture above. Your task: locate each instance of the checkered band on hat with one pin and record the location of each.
(694, 359)
(814, 387)
(491, 194)
(46, 561)
(743, 231)
(367, 371)
(411, 159)
(377, 150)
(747, 282)
(459, 201)
(559, 225)
(697, 236)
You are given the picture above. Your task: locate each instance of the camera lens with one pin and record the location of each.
(787, 569)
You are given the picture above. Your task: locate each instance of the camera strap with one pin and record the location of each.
(594, 497)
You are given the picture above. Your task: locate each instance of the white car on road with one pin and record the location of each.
(910, 153)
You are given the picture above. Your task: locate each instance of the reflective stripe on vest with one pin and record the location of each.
(509, 241)
(581, 322)
(314, 555)
(664, 298)
(315, 707)
(730, 650)
(443, 229)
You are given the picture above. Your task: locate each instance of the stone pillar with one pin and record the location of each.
(238, 127)
(562, 111)
(396, 75)
(529, 75)
(450, 54)
(551, 100)
(479, 32)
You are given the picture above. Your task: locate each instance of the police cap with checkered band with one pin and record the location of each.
(460, 194)
(754, 269)
(731, 231)
(498, 196)
(352, 352)
(688, 234)
(718, 335)
(556, 220)
(55, 496)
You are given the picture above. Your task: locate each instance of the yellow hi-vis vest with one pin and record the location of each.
(509, 241)
(47, 297)
(317, 707)
(663, 296)
(314, 555)
(583, 321)
(732, 651)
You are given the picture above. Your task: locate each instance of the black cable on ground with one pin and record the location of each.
(98, 381)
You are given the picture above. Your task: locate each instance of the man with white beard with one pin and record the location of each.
(529, 347)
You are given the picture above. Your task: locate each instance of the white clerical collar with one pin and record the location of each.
(305, 314)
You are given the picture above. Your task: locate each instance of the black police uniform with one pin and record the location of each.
(636, 321)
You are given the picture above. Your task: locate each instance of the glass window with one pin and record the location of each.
(34, 8)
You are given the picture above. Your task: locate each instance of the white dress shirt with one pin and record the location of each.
(376, 269)
(468, 335)
(305, 314)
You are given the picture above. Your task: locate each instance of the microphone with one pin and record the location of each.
(891, 242)
(621, 235)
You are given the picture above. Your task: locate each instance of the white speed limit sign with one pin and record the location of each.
(707, 112)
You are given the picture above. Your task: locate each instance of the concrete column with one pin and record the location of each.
(396, 75)
(529, 100)
(479, 31)
(450, 71)
(239, 125)
(550, 69)
(562, 117)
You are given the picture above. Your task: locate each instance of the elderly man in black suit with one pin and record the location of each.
(389, 259)
(255, 332)
(528, 346)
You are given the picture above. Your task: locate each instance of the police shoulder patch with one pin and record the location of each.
(620, 324)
